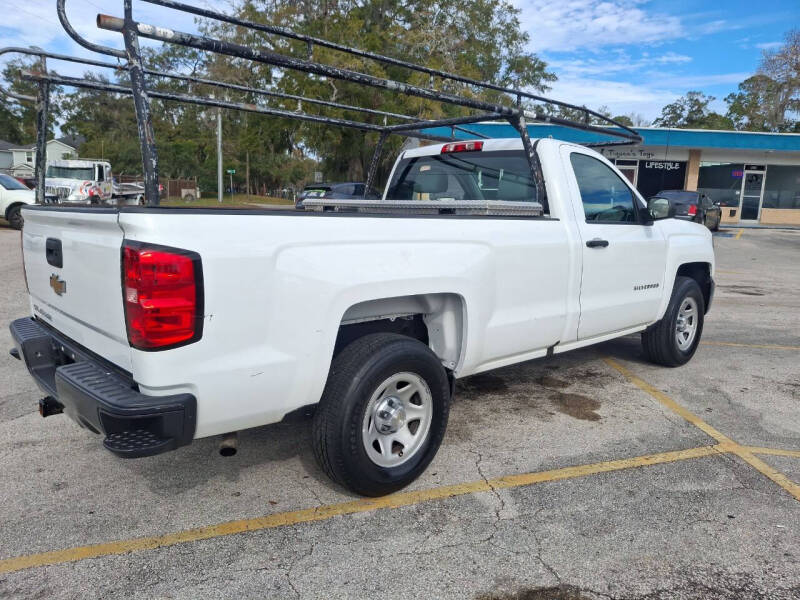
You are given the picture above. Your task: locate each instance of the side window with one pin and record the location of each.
(605, 197)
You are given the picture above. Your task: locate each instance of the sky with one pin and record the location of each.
(632, 56)
(637, 56)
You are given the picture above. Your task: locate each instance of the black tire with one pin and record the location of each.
(355, 375)
(659, 340)
(14, 217)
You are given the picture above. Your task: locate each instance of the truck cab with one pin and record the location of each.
(78, 180)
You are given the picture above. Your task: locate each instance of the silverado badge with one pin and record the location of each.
(59, 285)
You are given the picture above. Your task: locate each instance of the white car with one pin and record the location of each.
(153, 326)
(13, 196)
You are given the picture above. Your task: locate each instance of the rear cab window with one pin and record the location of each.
(502, 175)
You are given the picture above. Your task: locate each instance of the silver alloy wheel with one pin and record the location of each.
(397, 420)
(686, 324)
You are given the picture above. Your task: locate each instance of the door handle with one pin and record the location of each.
(53, 253)
(597, 243)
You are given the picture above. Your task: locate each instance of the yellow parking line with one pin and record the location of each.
(739, 234)
(725, 443)
(738, 345)
(323, 513)
(671, 404)
(765, 469)
(773, 451)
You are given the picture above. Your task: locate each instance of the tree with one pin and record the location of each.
(692, 112)
(10, 129)
(770, 99)
(18, 119)
(632, 120)
(481, 39)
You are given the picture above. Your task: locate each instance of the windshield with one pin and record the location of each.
(504, 175)
(71, 172)
(10, 183)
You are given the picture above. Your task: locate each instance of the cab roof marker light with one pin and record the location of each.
(462, 147)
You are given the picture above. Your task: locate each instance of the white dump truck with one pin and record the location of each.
(88, 181)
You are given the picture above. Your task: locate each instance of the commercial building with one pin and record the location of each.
(755, 177)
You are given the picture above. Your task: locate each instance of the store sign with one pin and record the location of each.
(667, 166)
(737, 173)
(653, 153)
(656, 175)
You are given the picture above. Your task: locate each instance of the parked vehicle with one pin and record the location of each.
(88, 181)
(693, 206)
(234, 319)
(13, 196)
(28, 182)
(336, 191)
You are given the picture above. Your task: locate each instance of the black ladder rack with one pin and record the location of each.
(480, 110)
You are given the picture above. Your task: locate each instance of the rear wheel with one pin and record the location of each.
(673, 340)
(382, 415)
(14, 217)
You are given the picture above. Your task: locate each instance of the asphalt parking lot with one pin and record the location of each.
(590, 475)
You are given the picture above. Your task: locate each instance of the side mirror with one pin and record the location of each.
(660, 208)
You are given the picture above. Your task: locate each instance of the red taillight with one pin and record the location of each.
(162, 290)
(692, 210)
(462, 147)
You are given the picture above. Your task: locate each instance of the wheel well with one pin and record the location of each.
(701, 273)
(436, 320)
(10, 206)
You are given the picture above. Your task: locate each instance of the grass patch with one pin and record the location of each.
(238, 200)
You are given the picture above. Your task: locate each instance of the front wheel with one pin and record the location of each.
(15, 217)
(382, 415)
(674, 339)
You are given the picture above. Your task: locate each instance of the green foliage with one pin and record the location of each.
(624, 119)
(18, 119)
(692, 112)
(770, 100)
(481, 39)
(767, 101)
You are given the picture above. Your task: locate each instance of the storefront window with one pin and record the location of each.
(659, 175)
(782, 188)
(722, 182)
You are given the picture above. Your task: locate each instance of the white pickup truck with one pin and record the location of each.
(155, 326)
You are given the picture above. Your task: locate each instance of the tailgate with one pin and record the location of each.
(72, 266)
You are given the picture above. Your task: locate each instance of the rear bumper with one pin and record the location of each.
(101, 398)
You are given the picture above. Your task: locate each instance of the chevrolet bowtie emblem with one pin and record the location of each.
(59, 285)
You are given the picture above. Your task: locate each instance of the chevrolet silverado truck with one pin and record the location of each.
(155, 326)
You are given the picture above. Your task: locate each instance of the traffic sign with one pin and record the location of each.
(231, 171)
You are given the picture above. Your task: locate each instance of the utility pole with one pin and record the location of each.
(230, 172)
(219, 155)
